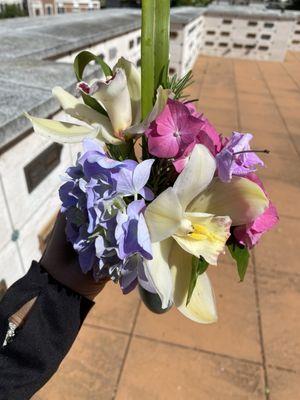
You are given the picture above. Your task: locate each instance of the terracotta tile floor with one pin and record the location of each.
(124, 352)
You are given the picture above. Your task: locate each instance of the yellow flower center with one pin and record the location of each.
(200, 232)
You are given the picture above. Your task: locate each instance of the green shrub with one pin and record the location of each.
(12, 11)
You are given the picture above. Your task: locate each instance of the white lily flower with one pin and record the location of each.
(191, 215)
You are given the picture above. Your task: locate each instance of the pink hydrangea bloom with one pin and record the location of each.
(250, 234)
(207, 129)
(177, 130)
(173, 130)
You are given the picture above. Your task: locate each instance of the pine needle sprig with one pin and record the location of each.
(178, 85)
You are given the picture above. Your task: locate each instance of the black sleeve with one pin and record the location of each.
(40, 345)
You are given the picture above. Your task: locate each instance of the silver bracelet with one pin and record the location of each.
(10, 333)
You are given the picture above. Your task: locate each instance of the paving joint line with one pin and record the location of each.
(290, 75)
(126, 352)
(278, 109)
(289, 217)
(105, 328)
(260, 328)
(208, 352)
(260, 331)
(284, 369)
(186, 347)
(203, 76)
(236, 97)
(12, 225)
(166, 342)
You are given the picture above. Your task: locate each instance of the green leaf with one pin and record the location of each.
(81, 61)
(93, 103)
(84, 58)
(178, 85)
(199, 266)
(123, 151)
(240, 254)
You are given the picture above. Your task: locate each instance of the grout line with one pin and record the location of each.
(126, 352)
(259, 321)
(178, 345)
(292, 371)
(12, 226)
(289, 217)
(6, 204)
(186, 347)
(104, 328)
(278, 110)
(239, 124)
(200, 84)
(260, 328)
(25, 85)
(290, 75)
(208, 352)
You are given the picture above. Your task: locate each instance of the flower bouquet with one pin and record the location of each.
(157, 194)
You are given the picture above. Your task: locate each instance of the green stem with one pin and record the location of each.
(148, 30)
(161, 44)
(154, 52)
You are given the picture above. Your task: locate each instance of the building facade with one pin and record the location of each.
(38, 8)
(250, 32)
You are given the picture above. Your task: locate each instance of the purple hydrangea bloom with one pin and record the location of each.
(109, 234)
(236, 157)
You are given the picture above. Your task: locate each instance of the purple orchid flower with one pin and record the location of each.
(133, 177)
(132, 272)
(236, 157)
(131, 233)
(85, 250)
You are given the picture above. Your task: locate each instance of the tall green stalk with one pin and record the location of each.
(154, 52)
(161, 42)
(147, 54)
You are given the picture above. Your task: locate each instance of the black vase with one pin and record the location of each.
(152, 301)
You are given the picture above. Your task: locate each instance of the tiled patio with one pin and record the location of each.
(126, 353)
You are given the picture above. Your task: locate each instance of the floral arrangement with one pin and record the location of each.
(157, 194)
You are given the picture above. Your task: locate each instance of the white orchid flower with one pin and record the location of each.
(89, 122)
(113, 95)
(119, 95)
(193, 218)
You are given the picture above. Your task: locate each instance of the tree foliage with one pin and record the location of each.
(191, 2)
(12, 11)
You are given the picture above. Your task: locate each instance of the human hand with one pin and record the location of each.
(61, 261)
